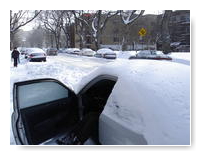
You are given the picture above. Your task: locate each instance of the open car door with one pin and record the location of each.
(43, 108)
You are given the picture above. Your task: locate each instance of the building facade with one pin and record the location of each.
(112, 34)
(180, 30)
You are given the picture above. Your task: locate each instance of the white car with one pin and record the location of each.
(137, 102)
(151, 54)
(87, 52)
(35, 54)
(106, 53)
(72, 51)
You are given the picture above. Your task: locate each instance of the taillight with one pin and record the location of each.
(31, 55)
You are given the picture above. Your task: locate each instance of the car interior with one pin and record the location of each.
(49, 121)
(44, 121)
(94, 100)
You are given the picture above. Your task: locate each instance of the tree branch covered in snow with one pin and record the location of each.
(129, 16)
(99, 22)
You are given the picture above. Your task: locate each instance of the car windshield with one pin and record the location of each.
(37, 54)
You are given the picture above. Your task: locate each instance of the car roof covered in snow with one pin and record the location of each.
(152, 99)
(35, 50)
(105, 50)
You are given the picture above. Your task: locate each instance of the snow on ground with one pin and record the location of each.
(66, 68)
(181, 57)
(75, 71)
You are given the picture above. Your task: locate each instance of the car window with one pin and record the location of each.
(38, 93)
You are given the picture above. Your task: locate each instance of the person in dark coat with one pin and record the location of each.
(15, 56)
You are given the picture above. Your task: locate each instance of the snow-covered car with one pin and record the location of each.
(72, 51)
(151, 54)
(87, 52)
(52, 51)
(139, 102)
(22, 50)
(106, 53)
(35, 54)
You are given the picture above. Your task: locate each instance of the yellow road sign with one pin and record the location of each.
(142, 32)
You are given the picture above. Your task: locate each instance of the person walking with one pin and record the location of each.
(15, 56)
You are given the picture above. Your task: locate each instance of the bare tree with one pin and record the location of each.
(165, 35)
(98, 24)
(83, 20)
(128, 17)
(36, 37)
(67, 25)
(19, 19)
(91, 23)
(52, 20)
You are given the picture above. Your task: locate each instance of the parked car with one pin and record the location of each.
(87, 52)
(72, 51)
(22, 50)
(139, 102)
(61, 50)
(52, 51)
(35, 54)
(183, 48)
(151, 54)
(106, 53)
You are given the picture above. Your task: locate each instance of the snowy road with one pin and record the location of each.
(66, 68)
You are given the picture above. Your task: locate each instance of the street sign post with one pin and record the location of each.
(142, 32)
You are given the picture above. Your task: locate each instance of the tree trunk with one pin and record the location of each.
(125, 38)
(97, 41)
(11, 40)
(165, 35)
(98, 32)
